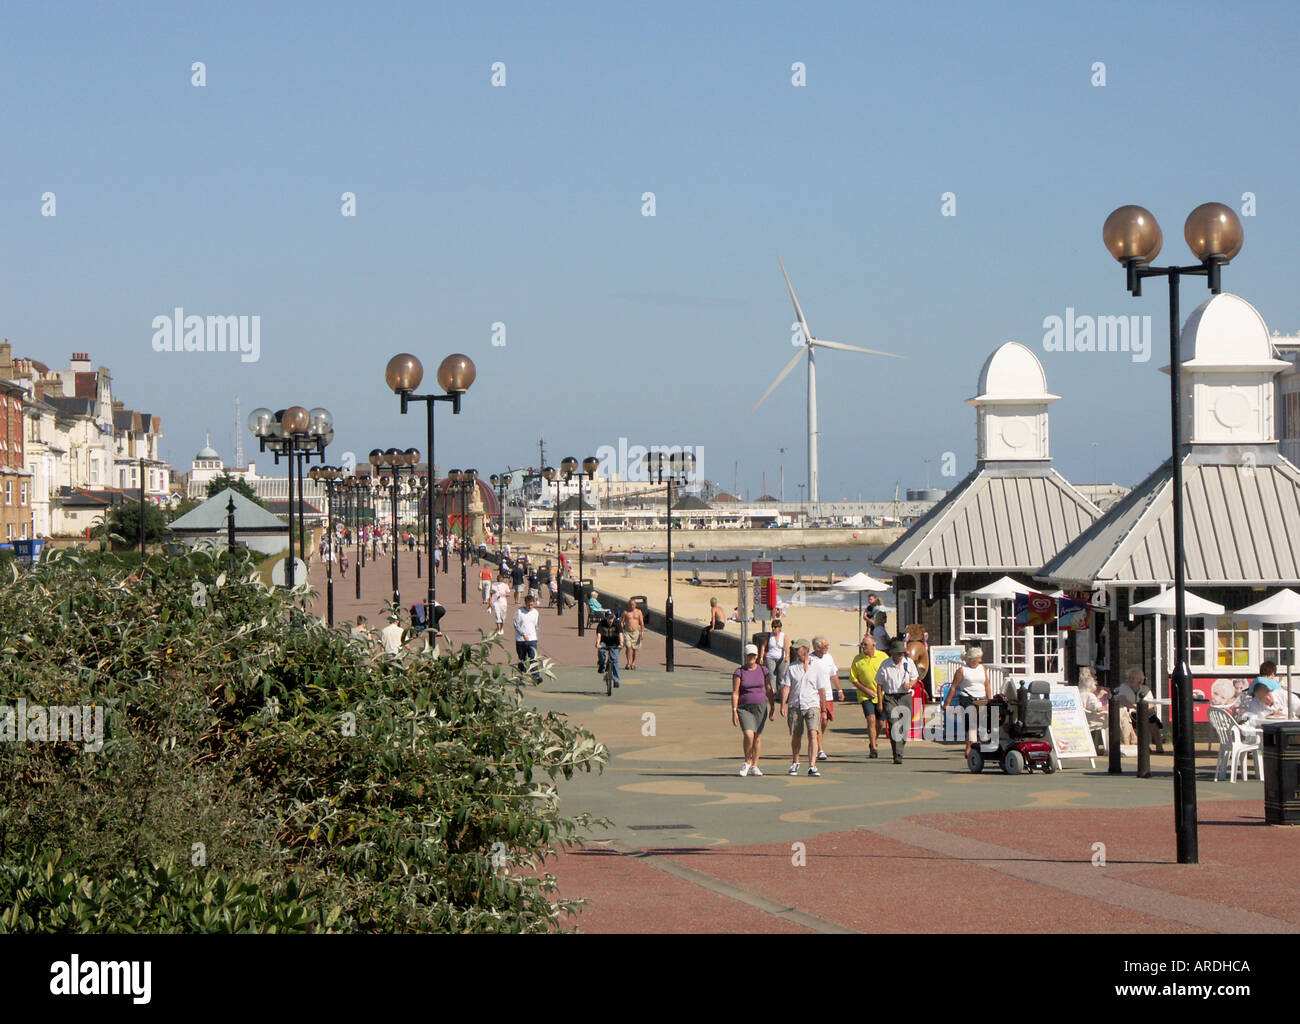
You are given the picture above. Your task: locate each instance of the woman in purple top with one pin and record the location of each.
(749, 692)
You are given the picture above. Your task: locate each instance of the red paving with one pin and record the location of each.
(869, 882)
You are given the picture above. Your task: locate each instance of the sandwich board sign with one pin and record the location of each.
(1069, 734)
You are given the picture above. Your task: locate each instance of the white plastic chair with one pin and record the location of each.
(1233, 748)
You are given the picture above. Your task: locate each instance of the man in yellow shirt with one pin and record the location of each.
(863, 674)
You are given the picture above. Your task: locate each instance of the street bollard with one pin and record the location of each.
(1143, 737)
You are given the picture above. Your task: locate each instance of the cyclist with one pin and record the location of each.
(609, 638)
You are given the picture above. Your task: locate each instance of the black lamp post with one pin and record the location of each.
(293, 433)
(549, 473)
(328, 475)
(1214, 235)
(679, 467)
(569, 467)
(393, 461)
(499, 482)
(455, 375)
(464, 481)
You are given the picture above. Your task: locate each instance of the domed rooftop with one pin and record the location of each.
(1226, 332)
(207, 452)
(1012, 374)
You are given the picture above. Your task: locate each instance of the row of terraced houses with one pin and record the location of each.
(69, 450)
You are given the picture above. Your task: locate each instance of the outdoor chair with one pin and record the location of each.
(1233, 748)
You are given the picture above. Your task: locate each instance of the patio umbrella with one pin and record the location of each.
(1283, 607)
(860, 583)
(1163, 604)
(1004, 589)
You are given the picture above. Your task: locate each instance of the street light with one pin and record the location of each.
(455, 375)
(328, 475)
(549, 474)
(679, 468)
(393, 461)
(569, 467)
(1133, 237)
(499, 482)
(294, 434)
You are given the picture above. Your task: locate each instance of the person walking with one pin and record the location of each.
(822, 652)
(485, 583)
(500, 599)
(609, 638)
(633, 630)
(750, 686)
(863, 674)
(802, 697)
(526, 623)
(776, 657)
(883, 639)
(969, 685)
(343, 564)
(517, 580)
(896, 678)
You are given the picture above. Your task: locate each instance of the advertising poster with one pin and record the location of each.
(944, 663)
(1069, 733)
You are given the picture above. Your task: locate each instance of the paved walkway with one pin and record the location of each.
(870, 846)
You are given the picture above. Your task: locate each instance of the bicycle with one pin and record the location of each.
(609, 676)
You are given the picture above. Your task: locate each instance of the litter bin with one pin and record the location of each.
(1281, 747)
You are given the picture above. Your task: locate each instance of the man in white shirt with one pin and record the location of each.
(822, 652)
(880, 633)
(803, 698)
(895, 679)
(391, 635)
(526, 619)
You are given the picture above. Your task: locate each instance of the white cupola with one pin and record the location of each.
(1228, 365)
(1011, 407)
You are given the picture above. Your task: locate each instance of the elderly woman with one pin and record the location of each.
(969, 685)
(1093, 710)
(749, 691)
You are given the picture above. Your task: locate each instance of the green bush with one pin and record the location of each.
(260, 772)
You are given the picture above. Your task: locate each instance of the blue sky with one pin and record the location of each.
(522, 205)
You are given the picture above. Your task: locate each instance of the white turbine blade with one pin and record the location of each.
(782, 376)
(798, 310)
(854, 348)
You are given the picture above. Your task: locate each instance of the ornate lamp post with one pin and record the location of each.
(549, 474)
(1214, 235)
(455, 375)
(499, 482)
(569, 467)
(328, 475)
(393, 461)
(678, 470)
(293, 434)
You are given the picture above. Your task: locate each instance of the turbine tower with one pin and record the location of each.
(806, 349)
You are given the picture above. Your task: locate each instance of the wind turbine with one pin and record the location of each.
(806, 349)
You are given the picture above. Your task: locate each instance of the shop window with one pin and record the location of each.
(975, 618)
(1196, 646)
(1011, 640)
(1277, 639)
(1232, 643)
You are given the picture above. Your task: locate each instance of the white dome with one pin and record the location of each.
(1013, 374)
(1226, 331)
(207, 453)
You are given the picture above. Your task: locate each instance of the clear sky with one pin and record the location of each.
(523, 205)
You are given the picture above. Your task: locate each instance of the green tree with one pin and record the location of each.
(261, 772)
(218, 484)
(123, 524)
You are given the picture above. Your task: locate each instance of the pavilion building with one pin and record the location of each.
(1241, 501)
(1012, 514)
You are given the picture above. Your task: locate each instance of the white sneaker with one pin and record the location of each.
(814, 772)
(794, 768)
(821, 755)
(744, 770)
(753, 770)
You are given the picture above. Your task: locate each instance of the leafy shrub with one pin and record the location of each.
(298, 784)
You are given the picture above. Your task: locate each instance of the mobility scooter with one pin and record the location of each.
(1016, 739)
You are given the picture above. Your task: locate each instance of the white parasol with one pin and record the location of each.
(1284, 608)
(860, 583)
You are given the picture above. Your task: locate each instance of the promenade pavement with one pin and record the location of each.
(870, 846)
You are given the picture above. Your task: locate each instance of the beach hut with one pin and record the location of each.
(1241, 498)
(1009, 516)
